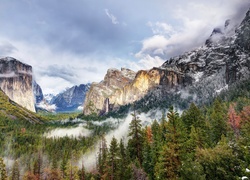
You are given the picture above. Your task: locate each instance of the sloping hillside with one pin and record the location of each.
(11, 110)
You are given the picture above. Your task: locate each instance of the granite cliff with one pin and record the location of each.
(199, 74)
(17, 82)
(71, 99)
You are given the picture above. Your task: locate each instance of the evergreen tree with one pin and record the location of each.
(169, 161)
(15, 174)
(219, 162)
(82, 173)
(157, 143)
(63, 166)
(124, 168)
(102, 159)
(113, 159)
(37, 168)
(71, 171)
(3, 173)
(135, 142)
(193, 117)
(218, 121)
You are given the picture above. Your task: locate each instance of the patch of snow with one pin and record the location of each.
(48, 97)
(8, 58)
(46, 106)
(223, 88)
(197, 76)
(247, 170)
(244, 178)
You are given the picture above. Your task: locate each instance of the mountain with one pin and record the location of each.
(38, 93)
(13, 111)
(195, 76)
(16, 81)
(71, 99)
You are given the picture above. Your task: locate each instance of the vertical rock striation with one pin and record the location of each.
(16, 81)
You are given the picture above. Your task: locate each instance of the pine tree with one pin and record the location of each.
(135, 142)
(113, 159)
(169, 161)
(193, 117)
(37, 170)
(124, 168)
(102, 159)
(82, 173)
(15, 175)
(218, 121)
(63, 166)
(3, 173)
(71, 171)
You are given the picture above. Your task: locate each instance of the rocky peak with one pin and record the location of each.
(243, 33)
(16, 81)
(38, 93)
(117, 78)
(199, 74)
(71, 99)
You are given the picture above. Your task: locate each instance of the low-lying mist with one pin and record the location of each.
(73, 132)
(121, 132)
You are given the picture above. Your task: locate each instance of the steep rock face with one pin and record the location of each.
(16, 82)
(70, 99)
(199, 74)
(38, 93)
(128, 86)
(97, 98)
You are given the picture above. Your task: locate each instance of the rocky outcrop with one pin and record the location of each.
(38, 93)
(125, 86)
(16, 81)
(199, 74)
(97, 98)
(71, 99)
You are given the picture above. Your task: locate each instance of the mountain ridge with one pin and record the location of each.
(201, 73)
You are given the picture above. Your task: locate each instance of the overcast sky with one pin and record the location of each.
(69, 42)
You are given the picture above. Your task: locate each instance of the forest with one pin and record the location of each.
(202, 142)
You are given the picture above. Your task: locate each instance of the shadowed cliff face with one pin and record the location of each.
(201, 73)
(16, 82)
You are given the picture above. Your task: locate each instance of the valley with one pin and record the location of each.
(188, 118)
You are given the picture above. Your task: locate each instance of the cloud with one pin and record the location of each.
(83, 44)
(74, 132)
(6, 48)
(161, 28)
(192, 26)
(61, 71)
(111, 16)
(121, 132)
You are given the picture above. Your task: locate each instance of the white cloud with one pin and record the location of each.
(54, 71)
(191, 24)
(161, 28)
(111, 16)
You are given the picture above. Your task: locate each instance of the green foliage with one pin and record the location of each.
(136, 135)
(219, 162)
(3, 173)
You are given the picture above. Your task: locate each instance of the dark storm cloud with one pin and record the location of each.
(77, 26)
(94, 35)
(64, 72)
